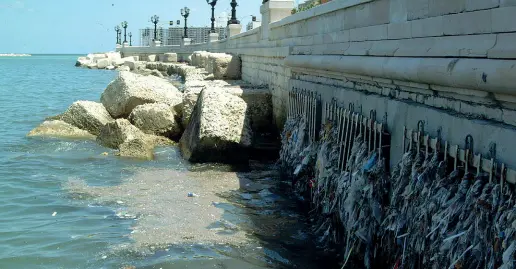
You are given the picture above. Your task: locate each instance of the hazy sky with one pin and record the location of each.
(82, 26)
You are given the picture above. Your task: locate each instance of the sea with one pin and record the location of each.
(68, 203)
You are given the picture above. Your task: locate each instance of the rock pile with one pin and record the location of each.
(213, 119)
(109, 60)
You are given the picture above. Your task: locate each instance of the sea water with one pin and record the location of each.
(65, 204)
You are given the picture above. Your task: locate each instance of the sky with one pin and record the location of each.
(84, 26)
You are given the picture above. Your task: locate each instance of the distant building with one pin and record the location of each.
(253, 24)
(174, 35)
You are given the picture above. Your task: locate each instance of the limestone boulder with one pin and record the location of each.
(86, 115)
(156, 73)
(97, 56)
(92, 66)
(259, 105)
(139, 148)
(191, 92)
(218, 130)
(224, 66)
(115, 133)
(113, 56)
(83, 61)
(190, 96)
(103, 63)
(191, 73)
(170, 57)
(60, 129)
(157, 119)
(152, 58)
(118, 62)
(123, 68)
(110, 67)
(130, 64)
(130, 90)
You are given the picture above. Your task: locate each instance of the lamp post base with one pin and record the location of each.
(186, 41)
(234, 29)
(213, 37)
(156, 43)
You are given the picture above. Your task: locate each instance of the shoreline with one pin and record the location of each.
(14, 55)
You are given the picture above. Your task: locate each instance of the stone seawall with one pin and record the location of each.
(450, 64)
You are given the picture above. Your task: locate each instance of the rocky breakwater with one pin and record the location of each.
(108, 60)
(225, 119)
(136, 113)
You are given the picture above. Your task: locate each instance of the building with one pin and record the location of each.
(174, 35)
(253, 24)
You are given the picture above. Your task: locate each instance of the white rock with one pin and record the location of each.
(170, 57)
(156, 73)
(224, 66)
(129, 90)
(83, 61)
(259, 105)
(86, 115)
(218, 130)
(60, 129)
(103, 63)
(130, 64)
(92, 66)
(110, 67)
(140, 148)
(152, 58)
(123, 68)
(157, 119)
(113, 57)
(97, 56)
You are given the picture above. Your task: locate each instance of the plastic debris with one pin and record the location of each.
(424, 214)
(54, 214)
(191, 194)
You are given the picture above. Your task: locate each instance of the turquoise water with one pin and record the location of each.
(43, 226)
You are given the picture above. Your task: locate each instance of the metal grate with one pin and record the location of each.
(463, 159)
(306, 104)
(352, 124)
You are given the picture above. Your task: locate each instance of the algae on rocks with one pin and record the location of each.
(157, 118)
(59, 129)
(86, 115)
(115, 133)
(131, 90)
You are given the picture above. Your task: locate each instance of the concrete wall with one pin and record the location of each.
(451, 63)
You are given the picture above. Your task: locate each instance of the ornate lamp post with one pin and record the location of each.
(130, 39)
(155, 20)
(124, 25)
(265, 1)
(233, 19)
(185, 12)
(117, 30)
(212, 3)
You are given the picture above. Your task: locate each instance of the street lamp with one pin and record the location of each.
(117, 30)
(130, 39)
(155, 20)
(212, 4)
(185, 12)
(233, 19)
(124, 25)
